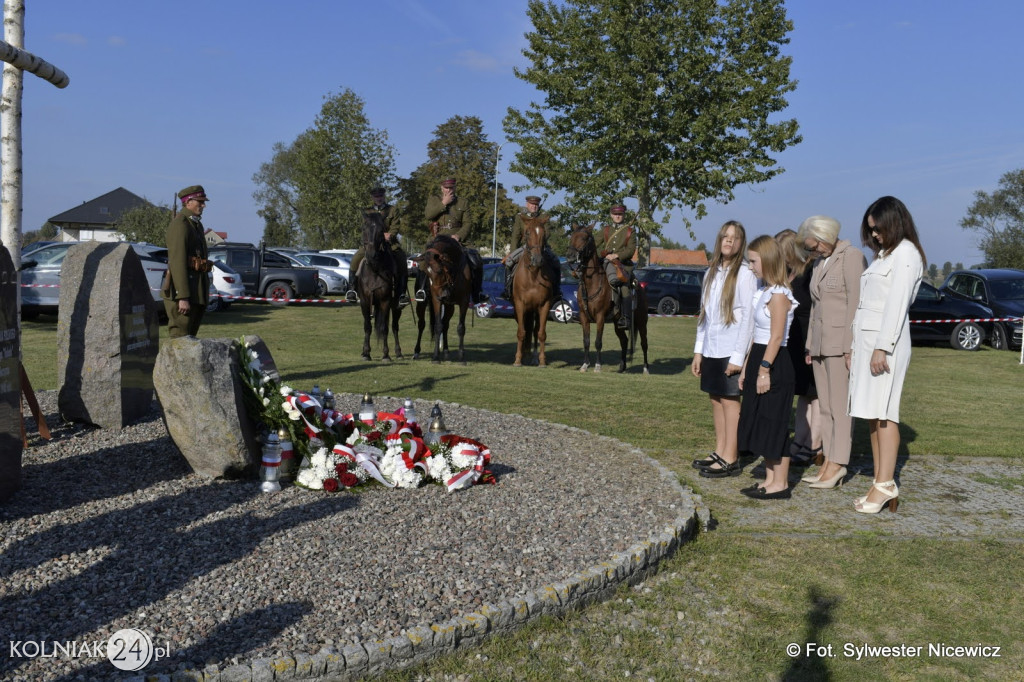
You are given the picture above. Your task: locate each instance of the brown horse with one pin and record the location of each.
(450, 284)
(377, 296)
(532, 294)
(595, 299)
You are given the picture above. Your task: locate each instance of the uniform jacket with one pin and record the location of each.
(835, 292)
(518, 227)
(452, 219)
(619, 239)
(185, 239)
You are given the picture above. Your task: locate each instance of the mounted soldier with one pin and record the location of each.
(532, 214)
(448, 215)
(392, 225)
(616, 246)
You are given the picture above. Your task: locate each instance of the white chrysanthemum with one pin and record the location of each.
(309, 478)
(393, 468)
(319, 458)
(286, 391)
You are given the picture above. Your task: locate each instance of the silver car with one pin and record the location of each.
(41, 271)
(338, 263)
(329, 281)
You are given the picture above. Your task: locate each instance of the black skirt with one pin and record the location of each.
(713, 379)
(764, 418)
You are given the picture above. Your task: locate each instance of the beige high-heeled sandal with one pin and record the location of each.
(825, 484)
(891, 492)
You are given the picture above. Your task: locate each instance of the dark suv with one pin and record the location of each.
(672, 290)
(1002, 290)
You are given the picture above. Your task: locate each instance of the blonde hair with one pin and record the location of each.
(773, 264)
(820, 228)
(792, 252)
(733, 265)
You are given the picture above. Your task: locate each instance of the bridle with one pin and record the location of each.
(584, 261)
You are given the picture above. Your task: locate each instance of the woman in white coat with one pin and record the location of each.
(881, 339)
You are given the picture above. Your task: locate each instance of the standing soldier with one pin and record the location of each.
(617, 249)
(186, 286)
(518, 231)
(391, 223)
(448, 214)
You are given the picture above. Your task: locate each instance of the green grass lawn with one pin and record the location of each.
(763, 590)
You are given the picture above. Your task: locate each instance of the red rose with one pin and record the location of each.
(348, 480)
(373, 435)
(341, 468)
(416, 430)
(331, 485)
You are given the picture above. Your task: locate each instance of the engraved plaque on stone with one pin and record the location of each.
(107, 336)
(10, 379)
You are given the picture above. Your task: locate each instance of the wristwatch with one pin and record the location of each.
(766, 364)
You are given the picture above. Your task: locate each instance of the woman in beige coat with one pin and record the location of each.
(881, 339)
(835, 290)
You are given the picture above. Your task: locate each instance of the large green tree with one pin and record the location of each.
(145, 223)
(663, 101)
(998, 218)
(320, 183)
(460, 149)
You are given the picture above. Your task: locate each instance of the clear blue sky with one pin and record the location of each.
(913, 98)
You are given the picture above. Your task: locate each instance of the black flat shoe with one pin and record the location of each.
(707, 461)
(727, 469)
(750, 489)
(760, 494)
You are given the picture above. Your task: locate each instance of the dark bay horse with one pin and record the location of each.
(450, 284)
(532, 294)
(377, 295)
(595, 299)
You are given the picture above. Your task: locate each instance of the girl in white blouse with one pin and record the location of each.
(768, 379)
(723, 335)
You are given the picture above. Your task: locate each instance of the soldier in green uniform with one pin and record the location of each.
(186, 286)
(617, 246)
(392, 224)
(448, 214)
(518, 230)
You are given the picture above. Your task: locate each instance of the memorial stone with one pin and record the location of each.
(10, 379)
(108, 335)
(199, 387)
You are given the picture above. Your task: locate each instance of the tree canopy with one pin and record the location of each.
(319, 184)
(998, 218)
(145, 223)
(667, 102)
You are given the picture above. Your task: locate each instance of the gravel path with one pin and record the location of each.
(111, 530)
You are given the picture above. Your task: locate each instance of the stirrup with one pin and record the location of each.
(403, 298)
(351, 296)
(421, 295)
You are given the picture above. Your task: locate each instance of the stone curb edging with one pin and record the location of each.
(425, 642)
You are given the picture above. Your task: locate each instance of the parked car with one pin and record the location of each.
(565, 310)
(42, 267)
(265, 273)
(227, 283)
(338, 263)
(671, 290)
(1001, 290)
(931, 309)
(328, 281)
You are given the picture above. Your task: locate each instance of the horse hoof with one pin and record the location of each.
(597, 368)
(366, 357)
(399, 356)
(583, 368)
(386, 361)
(416, 356)
(517, 364)
(645, 371)
(435, 362)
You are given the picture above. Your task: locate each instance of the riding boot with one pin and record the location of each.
(421, 286)
(478, 286)
(626, 309)
(352, 295)
(402, 283)
(616, 299)
(510, 273)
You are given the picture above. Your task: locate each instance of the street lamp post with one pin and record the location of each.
(494, 234)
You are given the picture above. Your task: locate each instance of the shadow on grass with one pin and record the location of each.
(808, 664)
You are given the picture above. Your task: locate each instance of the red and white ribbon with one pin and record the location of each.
(368, 463)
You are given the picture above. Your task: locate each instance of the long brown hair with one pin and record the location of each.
(734, 265)
(773, 261)
(893, 224)
(794, 254)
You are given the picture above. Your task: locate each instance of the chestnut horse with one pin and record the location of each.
(532, 294)
(595, 299)
(377, 293)
(450, 283)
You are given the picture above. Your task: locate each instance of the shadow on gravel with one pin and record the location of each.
(234, 638)
(143, 554)
(93, 476)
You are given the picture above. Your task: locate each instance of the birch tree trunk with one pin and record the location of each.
(10, 142)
